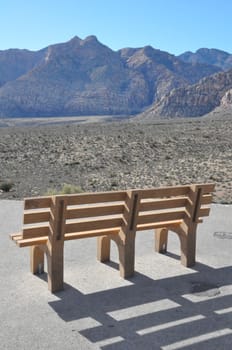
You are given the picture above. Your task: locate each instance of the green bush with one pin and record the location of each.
(66, 189)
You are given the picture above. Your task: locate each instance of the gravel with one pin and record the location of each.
(116, 155)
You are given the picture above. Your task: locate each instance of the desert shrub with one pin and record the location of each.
(51, 192)
(66, 189)
(6, 186)
(69, 189)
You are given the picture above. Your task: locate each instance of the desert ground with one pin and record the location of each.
(103, 156)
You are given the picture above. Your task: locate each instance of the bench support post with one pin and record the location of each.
(103, 248)
(127, 256)
(161, 240)
(186, 231)
(55, 265)
(36, 260)
(55, 245)
(188, 247)
(126, 239)
(188, 239)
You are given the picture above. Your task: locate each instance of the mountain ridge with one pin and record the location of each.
(195, 100)
(85, 77)
(219, 58)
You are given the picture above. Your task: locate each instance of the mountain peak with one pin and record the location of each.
(91, 41)
(92, 38)
(75, 39)
(78, 41)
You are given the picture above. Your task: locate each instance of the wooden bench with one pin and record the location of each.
(117, 216)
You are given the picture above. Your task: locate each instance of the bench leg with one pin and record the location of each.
(161, 240)
(188, 248)
(127, 257)
(36, 260)
(103, 248)
(55, 262)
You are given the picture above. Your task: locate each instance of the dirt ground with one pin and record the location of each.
(116, 155)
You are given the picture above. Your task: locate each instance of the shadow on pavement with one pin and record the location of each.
(185, 312)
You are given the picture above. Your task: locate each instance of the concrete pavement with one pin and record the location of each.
(164, 306)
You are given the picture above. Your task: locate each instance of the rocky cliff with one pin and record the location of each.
(195, 100)
(15, 62)
(85, 77)
(227, 99)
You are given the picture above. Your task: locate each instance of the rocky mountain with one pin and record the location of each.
(224, 110)
(162, 71)
(15, 62)
(214, 57)
(195, 100)
(85, 77)
(227, 99)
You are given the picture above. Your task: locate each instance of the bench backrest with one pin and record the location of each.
(92, 214)
(172, 205)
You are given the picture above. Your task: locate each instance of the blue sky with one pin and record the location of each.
(170, 25)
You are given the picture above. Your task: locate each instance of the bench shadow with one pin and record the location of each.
(183, 312)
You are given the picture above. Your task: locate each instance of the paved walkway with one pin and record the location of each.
(164, 306)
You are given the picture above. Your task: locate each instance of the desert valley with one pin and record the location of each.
(136, 117)
(116, 155)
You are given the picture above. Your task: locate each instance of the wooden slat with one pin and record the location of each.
(149, 226)
(16, 236)
(166, 203)
(68, 236)
(31, 217)
(36, 231)
(204, 212)
(93, 233)
(37, 203)
(206, 199)
(158, 217)
(164, 192)
(77, 213)
(206, 189)
(31, 241)
(93, 225)
(98, 197)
